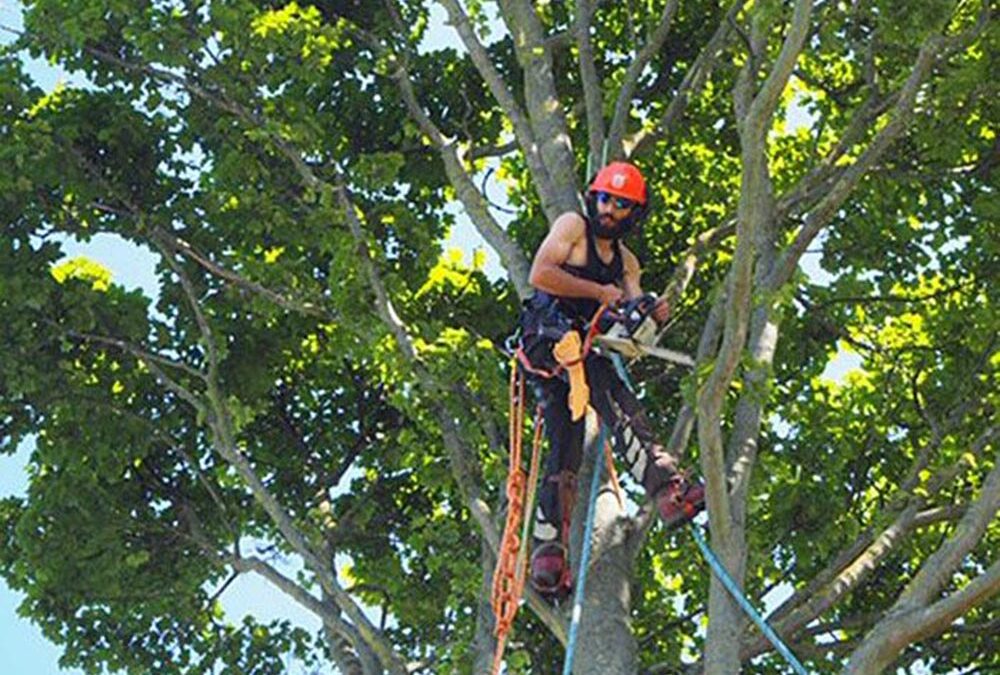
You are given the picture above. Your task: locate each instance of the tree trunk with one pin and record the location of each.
(605, 644)
(726, 621)
(484, 643)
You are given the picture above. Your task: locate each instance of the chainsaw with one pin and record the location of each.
(630, 330)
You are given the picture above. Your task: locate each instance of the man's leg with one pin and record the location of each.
(557, 492)
(647, 460)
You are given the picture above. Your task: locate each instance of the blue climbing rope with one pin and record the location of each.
(734, 591)
(713, 561)
(588, 535)
(720, 570)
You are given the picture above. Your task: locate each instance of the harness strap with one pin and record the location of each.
(588, 342)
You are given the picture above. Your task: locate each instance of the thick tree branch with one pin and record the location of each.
(526, 137)
(225, 443)
(592, 90)
(548, 119)
(645, 140)
(931, 52)
(761, 111)
(819, 178)
(623, 104)
(754, 229)
(476, 206)
(918, 613)
(858, 561)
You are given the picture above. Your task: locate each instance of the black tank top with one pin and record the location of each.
(595, 270)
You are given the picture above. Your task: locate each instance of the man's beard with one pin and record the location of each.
(604, 225)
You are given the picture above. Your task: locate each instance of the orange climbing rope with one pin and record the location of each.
(511, 569)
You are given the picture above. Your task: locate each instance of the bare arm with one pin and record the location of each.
(630, 274)
(630, 282)
(547, 273)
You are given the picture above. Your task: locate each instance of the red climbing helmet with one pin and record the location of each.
(622, 180)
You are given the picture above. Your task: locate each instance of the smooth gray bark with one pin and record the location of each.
(605, 644)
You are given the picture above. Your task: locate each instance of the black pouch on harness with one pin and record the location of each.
(541, 316)
(542, 323)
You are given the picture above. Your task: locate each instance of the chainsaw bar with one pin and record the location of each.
(633, 349)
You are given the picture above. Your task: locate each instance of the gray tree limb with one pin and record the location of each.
(645, 140)
(548, 119)
(918, 613)
(592, 90)
(623, 103)
(931, 52)
(859, 560)
(526, 137)
(754, 214)
(476, 206)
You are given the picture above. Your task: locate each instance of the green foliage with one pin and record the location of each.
(131, 513)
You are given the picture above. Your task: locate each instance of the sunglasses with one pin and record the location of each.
(618, 202)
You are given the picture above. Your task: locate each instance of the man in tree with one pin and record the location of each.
(581, 266)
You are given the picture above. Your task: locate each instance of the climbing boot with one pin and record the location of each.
(680, 500)
(550, 575)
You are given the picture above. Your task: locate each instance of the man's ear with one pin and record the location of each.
(641, 211)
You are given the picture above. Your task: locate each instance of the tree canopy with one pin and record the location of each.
(320, 381)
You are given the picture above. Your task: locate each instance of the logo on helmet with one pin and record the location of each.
(618, 181)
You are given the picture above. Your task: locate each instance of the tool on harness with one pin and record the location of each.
(569, 353)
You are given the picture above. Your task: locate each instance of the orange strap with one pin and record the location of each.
(511, 569)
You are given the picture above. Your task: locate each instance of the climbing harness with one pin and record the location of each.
(734, 590)
(588, 341)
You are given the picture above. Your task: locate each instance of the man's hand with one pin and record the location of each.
(661, 310)
(610, 295)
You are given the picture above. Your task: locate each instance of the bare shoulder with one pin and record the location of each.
(569, 227)
(567, 231)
